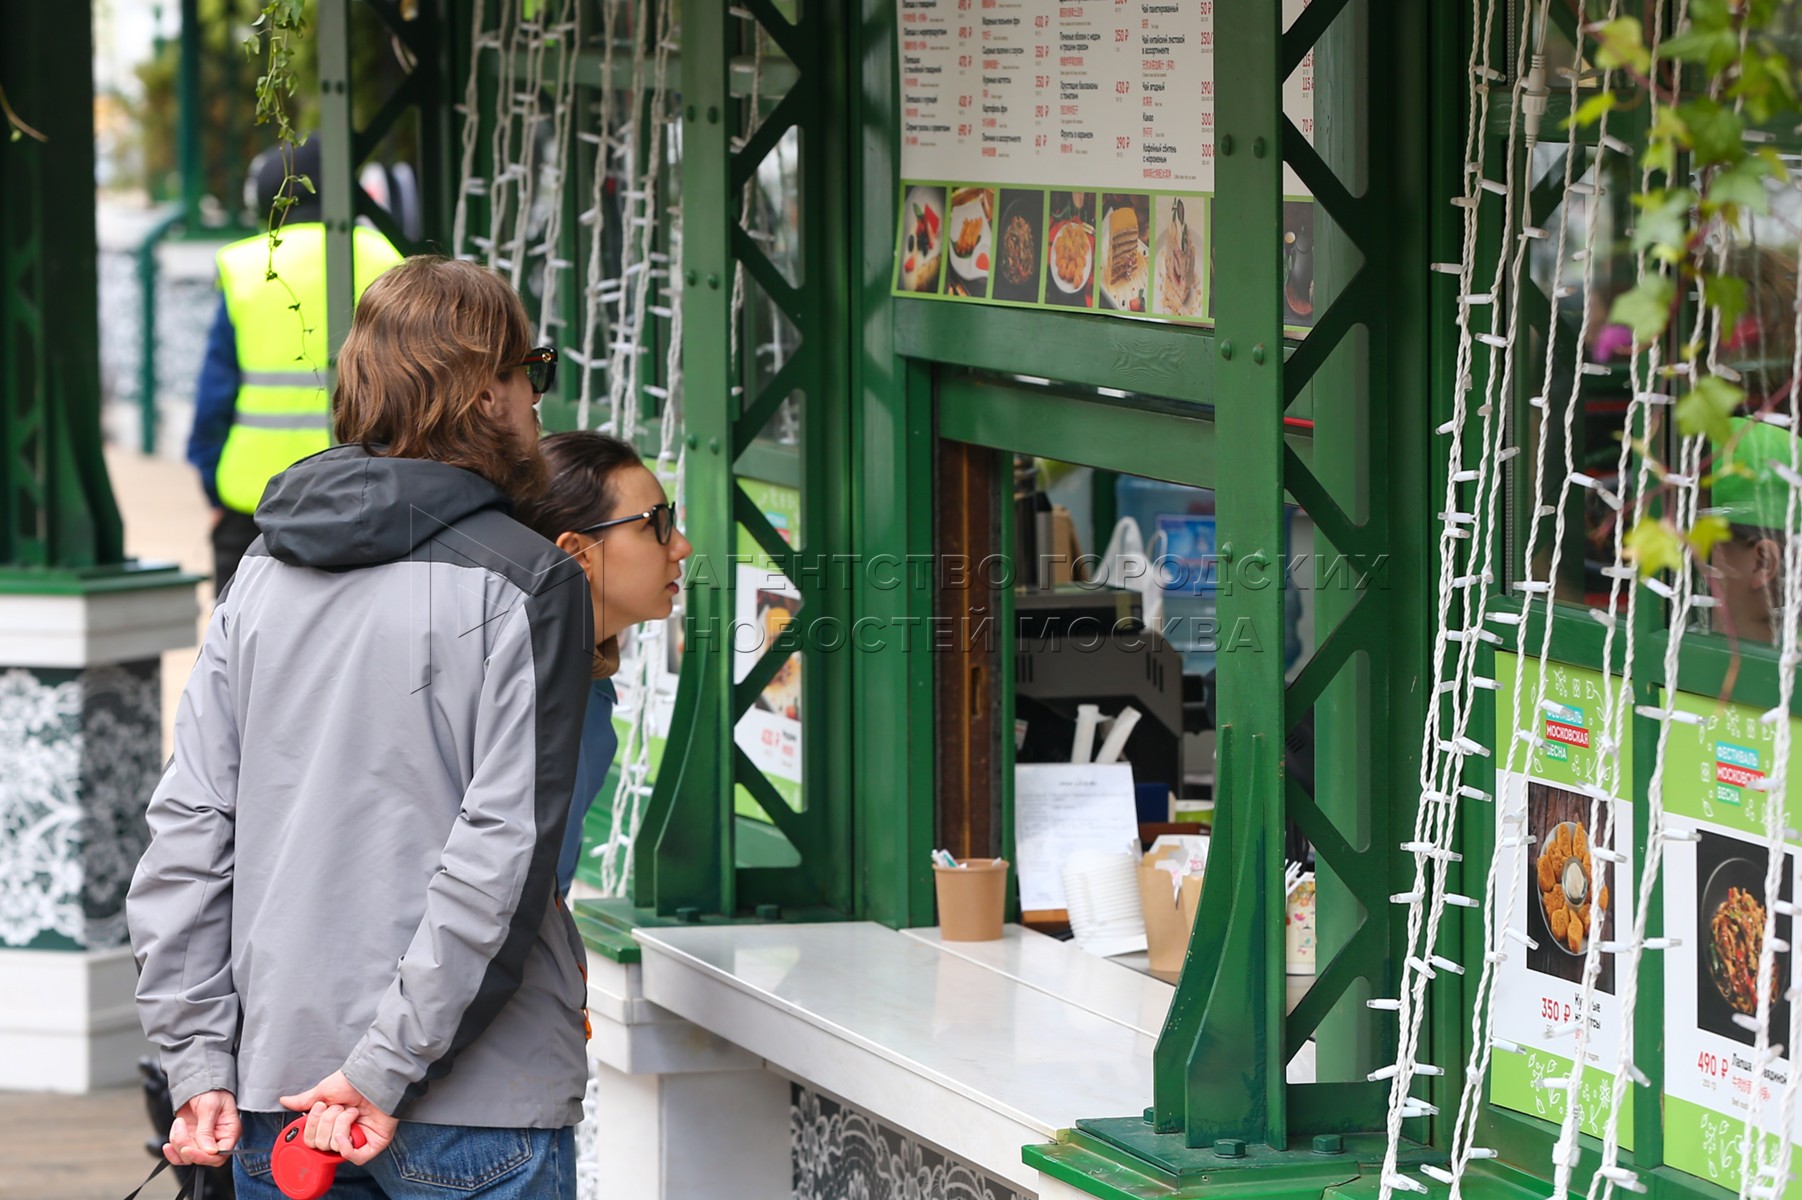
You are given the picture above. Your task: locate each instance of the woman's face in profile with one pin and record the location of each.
(632, 578)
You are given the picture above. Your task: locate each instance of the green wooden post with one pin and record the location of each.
(1227, 1080)
(893, 499)
(685, 850)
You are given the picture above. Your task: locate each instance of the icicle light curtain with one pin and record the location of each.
(569, 192)
(1481, 560)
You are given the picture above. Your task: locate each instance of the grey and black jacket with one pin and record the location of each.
(353, 850)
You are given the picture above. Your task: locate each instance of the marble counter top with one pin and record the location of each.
(978, 1048)
(975, 1028)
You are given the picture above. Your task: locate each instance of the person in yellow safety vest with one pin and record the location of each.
(262, 404)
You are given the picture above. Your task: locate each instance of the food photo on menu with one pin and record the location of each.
(1123, 253)
(1070, 250)
(970, 233)
(1730, 922)
(776, 611)
(922, 239)
(1176, 263)
(1018, 238)
(1570, 885)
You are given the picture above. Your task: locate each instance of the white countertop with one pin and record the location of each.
(988, 1022)
(978, 1047)
(1106, 987)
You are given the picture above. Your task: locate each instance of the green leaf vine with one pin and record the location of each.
(275, 33)
(279, 27)
(1711, 88)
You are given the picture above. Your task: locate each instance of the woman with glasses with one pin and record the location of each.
(607, 510)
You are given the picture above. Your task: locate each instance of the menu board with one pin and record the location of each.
(1715, 904)
(1566, 895)
(1061, 155)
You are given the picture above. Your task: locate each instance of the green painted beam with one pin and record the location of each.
(770, 462)
(1147, 357)
(1176, 443)
(1124, 1159)
(130, 576)
(602, 936)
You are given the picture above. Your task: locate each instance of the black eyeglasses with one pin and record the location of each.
(662, 519)
(541, 369)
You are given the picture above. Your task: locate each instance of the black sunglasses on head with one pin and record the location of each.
(541, 369)
(662, 518)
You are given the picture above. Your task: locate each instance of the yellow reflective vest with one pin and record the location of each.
(283, 411)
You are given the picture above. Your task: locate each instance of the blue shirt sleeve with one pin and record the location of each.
(593, 761)
(215, 401)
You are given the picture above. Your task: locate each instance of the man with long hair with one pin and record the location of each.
(348, 909)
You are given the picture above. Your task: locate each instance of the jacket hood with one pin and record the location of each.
(346, 507)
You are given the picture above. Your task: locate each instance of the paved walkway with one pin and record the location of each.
(75, 1147)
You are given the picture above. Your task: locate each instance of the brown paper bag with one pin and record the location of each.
(1168, 917)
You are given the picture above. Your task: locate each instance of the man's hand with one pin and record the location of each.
(332, 1107)
(203, 1130)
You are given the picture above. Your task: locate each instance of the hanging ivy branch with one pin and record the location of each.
(19, 128)
(278, 28)
(1681, 225)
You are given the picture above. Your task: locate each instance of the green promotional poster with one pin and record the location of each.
(1715, 909)
(1561, 895)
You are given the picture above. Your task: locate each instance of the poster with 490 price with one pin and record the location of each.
(1716, 905)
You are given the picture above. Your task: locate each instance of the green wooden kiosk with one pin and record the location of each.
(774, 1010)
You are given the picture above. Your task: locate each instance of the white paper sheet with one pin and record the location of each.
(1060, 808)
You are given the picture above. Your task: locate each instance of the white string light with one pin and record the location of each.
(598, 291)
(1442, 757)
(471, 126)
(626, 368)
(569, 43)
(528, 104)
(500, 149)
(639, 653)
(1766, 1158)
(1500, 926)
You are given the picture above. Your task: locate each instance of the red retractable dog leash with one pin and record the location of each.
(301, 1172)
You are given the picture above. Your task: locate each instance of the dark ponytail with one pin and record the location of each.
(582, 491)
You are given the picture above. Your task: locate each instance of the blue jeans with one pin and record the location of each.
(429, 1162)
